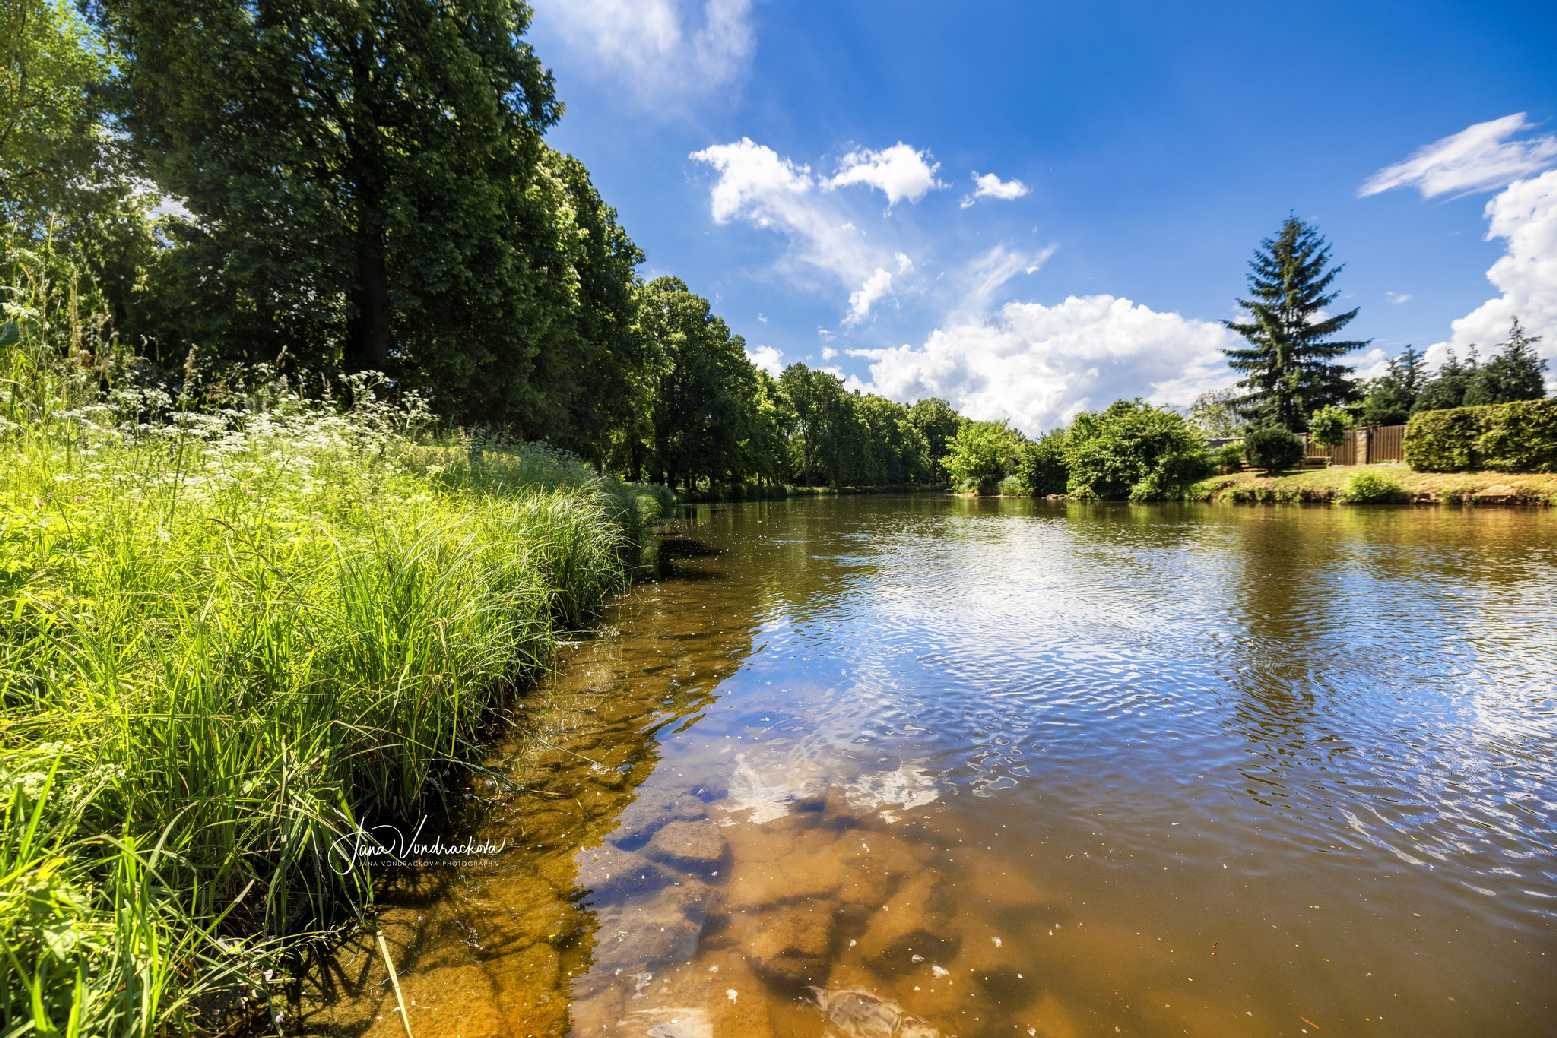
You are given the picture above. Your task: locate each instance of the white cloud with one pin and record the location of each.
(1481, 157)
(768, 358)
(861, 300)
(828, 353)
(898, 172)
(989, 272)
(988, 185)
(757, 185)
(1524, 215)
(1037, 365)
(1397, 297)
(662, 48)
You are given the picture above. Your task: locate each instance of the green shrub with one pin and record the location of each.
(1328, 425)
(1520, 436)
(1040, 466)
(1272, 448)
(1370, 488)
(1132, 450)
(1445, 440)
(1228, 457)
(981, 455)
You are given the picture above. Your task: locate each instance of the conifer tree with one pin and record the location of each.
(1291, 363)
(1515, 372)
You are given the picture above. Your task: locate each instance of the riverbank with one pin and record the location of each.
(229, 639)
(1329, 486)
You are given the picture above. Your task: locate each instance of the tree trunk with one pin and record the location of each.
(367, 347)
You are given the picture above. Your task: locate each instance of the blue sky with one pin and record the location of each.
(810, 168)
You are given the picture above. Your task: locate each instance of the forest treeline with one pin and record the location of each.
(318, 189)
(324, 189)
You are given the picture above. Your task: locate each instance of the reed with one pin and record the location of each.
(227, 636)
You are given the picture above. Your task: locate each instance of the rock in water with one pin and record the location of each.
(860, 1014)
(690, 846)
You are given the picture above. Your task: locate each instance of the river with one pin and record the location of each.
(932, 766)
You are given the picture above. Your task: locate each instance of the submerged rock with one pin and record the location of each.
(650, 933)
(692, 846)
(791, 945)
(859, 1014)
(612, 874)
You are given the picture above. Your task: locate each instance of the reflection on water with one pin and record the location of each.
(929, 766)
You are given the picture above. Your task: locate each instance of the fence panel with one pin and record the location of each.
(1384, 443)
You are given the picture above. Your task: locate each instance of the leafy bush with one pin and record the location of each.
(1520, 436)
(1445, 440)
(1132, 450)
(981, 455)
(1228, 457)
(1272, 448)
(1328, 425)
(1040, 466)
(1370, 488)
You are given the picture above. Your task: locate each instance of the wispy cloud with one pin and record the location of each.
(663, 50)
(1397, 297)
(1482, 157)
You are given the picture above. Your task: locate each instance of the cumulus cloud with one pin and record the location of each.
(899, 172)
(866, 296)
(757, 185)
(1481, 157)
(1524, 215)
(1038, 364)
(828, 353)
(767, 358)
(661, 48)
(988, 185)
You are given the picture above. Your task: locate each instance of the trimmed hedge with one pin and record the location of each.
(1520, 436)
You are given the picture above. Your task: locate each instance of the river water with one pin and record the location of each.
(876, 767)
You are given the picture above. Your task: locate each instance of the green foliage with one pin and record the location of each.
(1041, 468)
(1445, 440)
(1327, 426)
(262, 626)
(1215, 413)
(1518, 436)
(1291, 364)
(1390, 398)
(1228, 457)
(1515, 372)
(938, 423)
(981, 455)
(1132, 450)
(1370, 488)
(1272, 448)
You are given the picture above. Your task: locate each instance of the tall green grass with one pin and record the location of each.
(227, 636)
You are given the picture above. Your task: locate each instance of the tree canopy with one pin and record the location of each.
(1290, 364)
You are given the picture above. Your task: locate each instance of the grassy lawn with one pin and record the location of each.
(1327, 484)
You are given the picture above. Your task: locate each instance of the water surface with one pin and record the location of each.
(929, 766)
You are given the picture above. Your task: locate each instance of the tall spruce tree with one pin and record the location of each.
(1515, 372)
(1290, 364)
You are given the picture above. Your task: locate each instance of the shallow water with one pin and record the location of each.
(931, 766)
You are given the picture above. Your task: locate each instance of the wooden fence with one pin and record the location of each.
(1363, 446)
